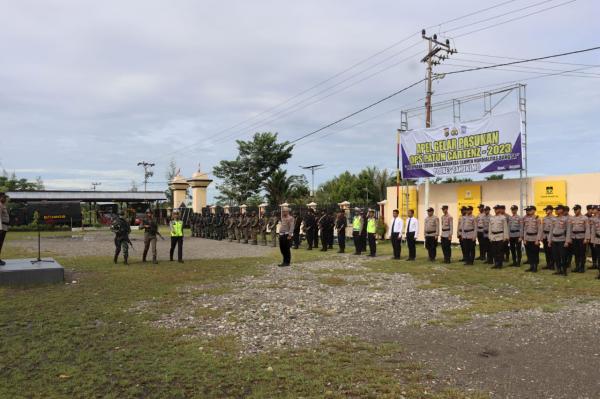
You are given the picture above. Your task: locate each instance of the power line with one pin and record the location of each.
(443, 74)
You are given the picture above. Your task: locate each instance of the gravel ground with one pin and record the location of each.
(95, 243)
(300, 305)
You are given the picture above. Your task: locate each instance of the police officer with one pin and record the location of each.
(371, 231)
(480, 220)
(297, 225)
(463, 212)
(580, 236)
(357, 225)
(546, 227)
(176, 227)
(324, 231)
(558, 239)
(469, 233)
(591, 214)
(121, 228)
(446, 235)
(595, 233)
(498, 234)
(569, 248)
(532, 235)
(310, 228)
(486, 239)
(341, 222)
(515, 232)
(432, 231)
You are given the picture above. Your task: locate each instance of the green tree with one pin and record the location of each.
(12, 183)
(281, 188)
(169, 175)
(257, 159)
(495, 177)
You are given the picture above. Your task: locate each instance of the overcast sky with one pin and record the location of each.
(89, 88)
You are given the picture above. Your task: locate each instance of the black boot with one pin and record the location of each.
(125, 260)
(154, 261)
(116, 257)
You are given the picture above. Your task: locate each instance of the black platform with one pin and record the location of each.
(24, 272)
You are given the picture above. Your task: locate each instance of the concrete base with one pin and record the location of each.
(23, 272)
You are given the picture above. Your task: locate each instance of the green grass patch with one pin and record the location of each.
(333, 281)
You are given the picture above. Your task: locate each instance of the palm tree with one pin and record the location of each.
(281, 188)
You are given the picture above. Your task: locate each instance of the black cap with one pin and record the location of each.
(549, 208)
(444, 206)
(497, 206)
(576, 207)
(481, 206)
(588, 207)
(531, 208)
(463, 208)
(429, 209)
(559, 206)
(469, 208)
(487, 208)
(514, 207)
(502, 206)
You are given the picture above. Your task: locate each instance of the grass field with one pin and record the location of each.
(81, 339)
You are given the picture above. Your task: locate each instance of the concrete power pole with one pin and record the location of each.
(432, 58)
(147, 172)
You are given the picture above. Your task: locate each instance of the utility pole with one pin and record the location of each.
(147, 172)
(95, 184)
(312, 170)
(432, 58)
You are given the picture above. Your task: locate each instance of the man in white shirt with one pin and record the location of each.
(412, 229)
(396, 226)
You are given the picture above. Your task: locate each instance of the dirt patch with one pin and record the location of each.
(302, 305)
(95, 243)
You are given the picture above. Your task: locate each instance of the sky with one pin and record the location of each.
(88, 89)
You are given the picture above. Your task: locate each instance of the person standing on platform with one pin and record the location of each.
(468, 234)
(4, 222)
(559, 238)
(580, 237)
(498, 233)
(432, 231)
(396, 227)
(176, 227)
(121, 228)
(371, 231)
(412, 229)
(341, 223)
(286, 231)
(446, 235)
(546, 227)
(150, 232)
(357, 225)
(480, 221)
(310, 228)
(515, 232)
(532, 235)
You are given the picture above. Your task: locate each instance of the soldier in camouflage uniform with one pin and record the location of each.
(230, 228)
(244, 228)
(121, 228)
(254, 228)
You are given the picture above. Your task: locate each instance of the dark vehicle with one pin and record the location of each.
(67, 213)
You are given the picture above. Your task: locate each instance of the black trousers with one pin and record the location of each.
(2, 236)
(431, 246)
(330, 238)
(533, 253)
(310, 237)
(284, 248)
(559, 254)
(489, 257)
(411, 243)
(296, 239)
(578, 249)
(363, 241)
(176, 241)
(396, 244)
(469, 245)
(356, 239)
(548, 254)
(506, 250)
(462, 248)
(497, 250)
(593, 249)
(446, 248)
(515, 249)
(324, 240)
(482, 246)
(342, 241)
(315, 242)
(372, 244)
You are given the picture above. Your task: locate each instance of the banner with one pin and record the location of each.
(551, 192)
(487, 145)
(468, 195)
